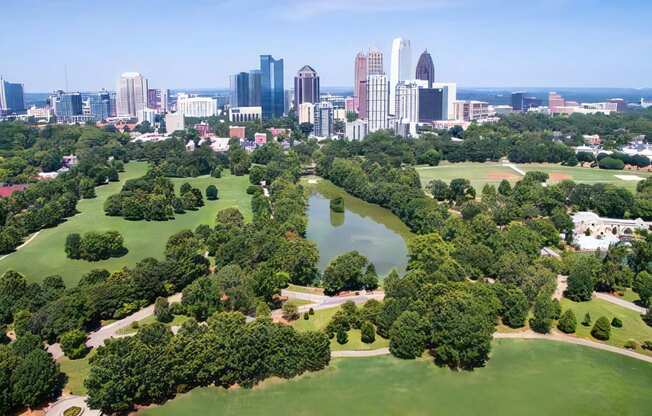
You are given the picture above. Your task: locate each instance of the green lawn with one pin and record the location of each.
(77, 371)
(479, 174)
(322, 317)
(585, 175)
(45, 255)
(177, 321)
(633, 326)
(630, 296)
(522, 378)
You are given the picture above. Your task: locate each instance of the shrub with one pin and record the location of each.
(631, 344)
(601, 329)
(217, 172)
(611, 163)
(94, 246)
(290, 312)
(616, 322)
(211, 193)
(647, 345)
(567, 323)
(73, 344)
(587, 319)
(311, 311)
(306, 316)
(407, 337)
(342, 337)
(254, 189)
(72, 411)
(73, 246)
(162, 310)
(367, 332)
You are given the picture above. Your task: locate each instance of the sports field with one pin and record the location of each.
(45, 255)
(522, 378)
(493, 172)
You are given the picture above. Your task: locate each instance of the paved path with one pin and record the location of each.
(29, 240)
(562, 284)
(620, 302)
(320, 302)
(367, 353)
(57, 408)
(514, 168)
(97, 338)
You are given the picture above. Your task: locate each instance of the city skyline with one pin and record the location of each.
(558, 35)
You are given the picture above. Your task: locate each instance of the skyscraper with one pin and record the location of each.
(431, 104)
(517, 100)
(377, 102)
(555, 101)
(426, 68)
(271, 86)
(407, 102)
(67, 106)
(375, 62)
(401, 68)
(254, 88)
(132, 94)
(100, 104)
(11, 97)
(360, 85)
(323, 120)
(306, 86)
(239, 90)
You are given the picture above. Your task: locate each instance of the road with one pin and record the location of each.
(620, 302)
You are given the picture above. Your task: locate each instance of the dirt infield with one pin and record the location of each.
(558, 177)
(499, 176)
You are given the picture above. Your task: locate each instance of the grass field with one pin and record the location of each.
(493, 172)
(322, 317)
(633, 326)
(77, 371)
(522, 378)
(45, 255)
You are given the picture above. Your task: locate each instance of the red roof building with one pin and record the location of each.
(8, 190)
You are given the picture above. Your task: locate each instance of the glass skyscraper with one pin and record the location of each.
(271, 86)
(11, 97)
(239, 90)
(254, 88)
(100, 104)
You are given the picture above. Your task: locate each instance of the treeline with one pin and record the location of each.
(152, 197)
(154, 365)
(95, 246)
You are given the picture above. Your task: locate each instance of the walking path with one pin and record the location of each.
(620, 302)
(514, 168)
(29, 240)
(57, 408)
(367, 353)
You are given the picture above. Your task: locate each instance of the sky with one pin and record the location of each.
(199, 43)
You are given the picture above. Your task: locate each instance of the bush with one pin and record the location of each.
(407, 337)
(337, 204)
(631, 344)
(647, 345)
(367, 332)
(290, 312)
(254, 189)
(217, 172)
(73, 246)
(587, 319)
(611, 163)
(311, 311)
(162, 310)
(94, 246)
(342, 337)
(72, 411)
(73, 344)
(543, 311)
(306, 316)
(616, 323)
(601, 329)
(567, 323)
(211, 193)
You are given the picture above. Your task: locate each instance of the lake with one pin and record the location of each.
(373, 231)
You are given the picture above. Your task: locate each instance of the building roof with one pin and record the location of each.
(8, 190)
(307, 70)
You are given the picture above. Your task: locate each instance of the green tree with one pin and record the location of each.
(290, 312)
(581, 278)
(36, 379)
(211, 192)
(162, 310)
(73, 344)
(587, 319)
(515, 308)
(342, 337)
(601, 329)
(543, 311)
(346, 272)
(367, 332)
(407, 337)
(643, 286)
(567, 323)
(73, 246)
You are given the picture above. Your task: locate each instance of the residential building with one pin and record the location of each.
(450, 96)
(306, 86)
(360, 85)
(100, 106)
(306, 113)
(555, 101)
(244, 114)
(196, 106)
(357, 130)
(271, 86)
(12, 99)
(407, 102)
(174, 122)
(431, 104)
(425, 69)
(238, 132)
(239, 90)
(375, 63)
(323, 121)
(67, 106)
(400, 68)
(131, 94)
(470, 110)
(377, 102)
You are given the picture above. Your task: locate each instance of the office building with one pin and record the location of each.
(174, 122)
(40, 113)
(306, 86)
(196, 106)
(239, 90)
(360, 85)
(67, 106)
(375, 63)
(254, 88)
(407, 102)
(555, 101)
(357, 130)
(450, 96)
(306, 113)
(148, 115)
(400, 68)
(621, 105)
(132, 94)
(271, 87)
(323, 121)
(12, 98)
(425, 69)
(339, 114)
(431, 104)
(471, 110)
(523, 103)
(165, 100)
(377, 102)
(243, 114)
(154, 99)
(100, 106)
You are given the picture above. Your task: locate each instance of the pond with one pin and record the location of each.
(373, 231)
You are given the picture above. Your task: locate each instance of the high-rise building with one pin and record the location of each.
(431, 104)
(154, 99)
(254, 88)
(271, 87)
(621, 105)
(360, 85)
(306, 113)
(239, 90)
(471, 110)
(450, 96)
(165, 100)
(425, 69)
(196, 106)
(401, 68)
(323, 122)
(377, 102)
(67, 106)
(100, 104)
(306, 86)
(555, 101)
(132, 94)
(174, 122)
(407, 102)
(11, 97)
(375, 62)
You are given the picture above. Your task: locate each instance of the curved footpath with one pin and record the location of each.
(620, 302)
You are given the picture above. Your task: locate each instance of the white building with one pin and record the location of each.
(407, 102)
(450, 96)
(500, 110)
(196, 106)
(323, 121)
(244, 114)
(131, 94)
(592, 232)
(471, 110)
(377, 102)
(400, 68)
(357, 130)
(39, 113)
(339, 114)
(306, 113)
(174, 122)
(375, 62)
(147, 114)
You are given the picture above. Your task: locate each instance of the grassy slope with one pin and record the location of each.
(45, 254)
(633, 326)
(522, 377)
(77, 371)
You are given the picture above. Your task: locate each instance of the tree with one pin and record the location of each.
(544, 311)
(290, 312)
(439, 190)
(337, 204)
(643, 286)
(407, 336)
(36, 379)
(367, 332)
(516, 307)
(73, 344)
(211, 192)
(647, 318)
(587, 319)
(162, 310)
(567, 323)
(342, 337)
(73, 246)
(601, 329)
(580, 278)
(346, 272)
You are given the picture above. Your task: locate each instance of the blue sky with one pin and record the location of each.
(198, 43)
